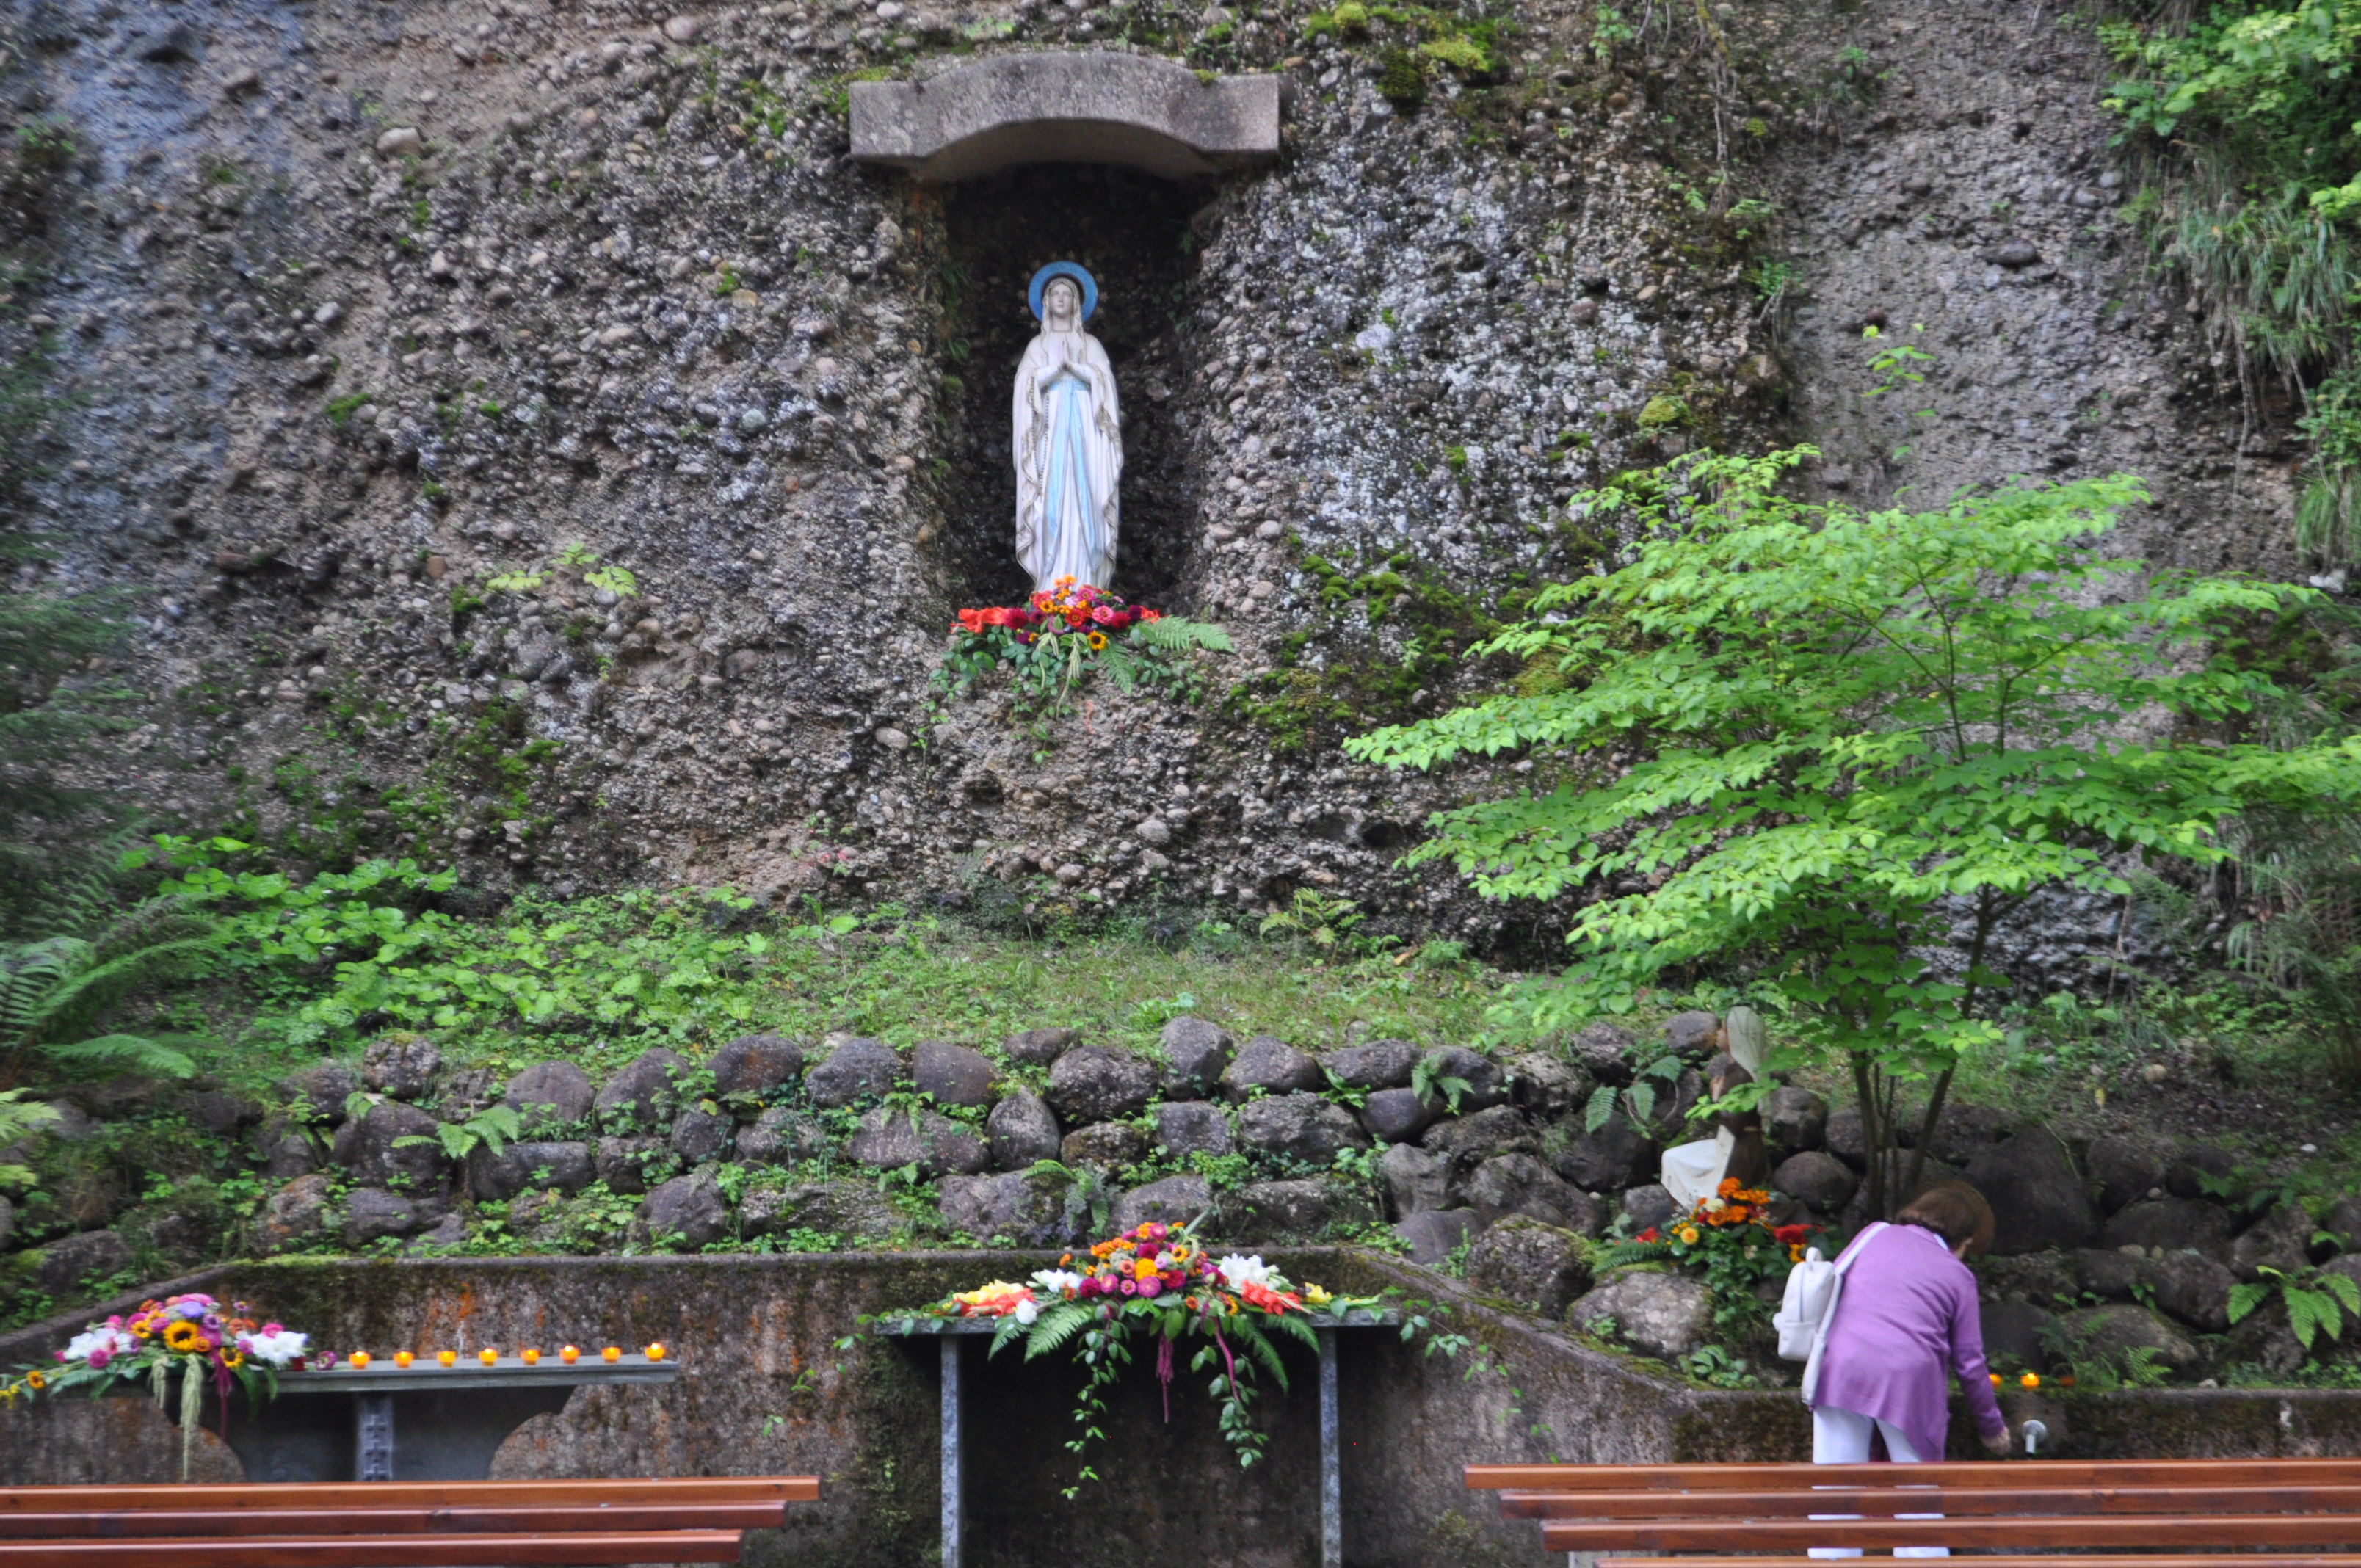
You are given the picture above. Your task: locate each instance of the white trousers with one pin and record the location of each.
(1842, 1437)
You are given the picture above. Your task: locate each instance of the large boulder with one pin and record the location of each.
(395, 1145)
(1303, 1126)
(1843, 1136)
(698, 1134)
(2192, 1289)
(286, 1149)
(1961, 1131)
(372, 1213)
(835, 1212)
(1105, 1143)
(1380, 1064)
(2036, 1195)
(1468, 1141)
(854, 1070)
(1272, 1066)
(322, 1089)
(1021, 1129)
(1465, 1081)
(1415, 1180)
(550, 1095)
(1820, 1179)
(782, 1135)
(1528, 1262)
(401, 1066)
(1693, 1036)
(1298, 1210)
(2125, 1169)
(295, 1213)
(2113, 1332)
(2201, 1170)
(1399, 1115)
(1099, 1083)
(635, 1164)
(1655, 1314)
(1011, 1209)
(1175, 1201)
(2280, 1240)
(2015, 1333)
(685, 1212)
(756, 1065)
(890, 1139)
(529, 1166)
(1649, 1207)
(1188, 1128)
(1433, 1234)
(1614, 1156)
(1038, 1048)
(2171, 1225)
(1521, 1184)
(643, 1096)
(1795, 1119)
(79, 1264)
(1196, 1054)
(2344, 1222)
(953, 1075)
(1899, 1187)
(1606, 1049)
(1547, 1087)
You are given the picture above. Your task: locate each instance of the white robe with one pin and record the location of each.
(1066, 441)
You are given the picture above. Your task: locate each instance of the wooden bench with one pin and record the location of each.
(393, 1524)
(2091, 1513)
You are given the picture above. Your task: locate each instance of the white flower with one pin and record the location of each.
(1058, 1281)
(278, 1349)
(1238, 1273)
(1027, 1311)
(109, 1341)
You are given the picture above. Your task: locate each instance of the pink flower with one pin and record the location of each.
(1130, 1286)
(98, 1360)
(1151, 1287)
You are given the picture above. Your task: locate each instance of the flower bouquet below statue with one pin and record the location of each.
(1060, 636)
(1156, 1281)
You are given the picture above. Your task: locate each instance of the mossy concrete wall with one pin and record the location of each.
(768, 1386)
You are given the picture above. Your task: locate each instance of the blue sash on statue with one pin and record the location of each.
(1070, 513)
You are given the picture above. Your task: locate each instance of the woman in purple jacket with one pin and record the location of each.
(1905, 1322)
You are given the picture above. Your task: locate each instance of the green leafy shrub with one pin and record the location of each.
(1815, 737)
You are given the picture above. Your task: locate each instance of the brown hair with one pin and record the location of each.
(1953, 1211)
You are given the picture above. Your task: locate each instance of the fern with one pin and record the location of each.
(19, 1120)
(2316, 1302)
(1429, 1082)
(1053, 1329)
(56, 987)
(1177, 634)
(1600, 1110)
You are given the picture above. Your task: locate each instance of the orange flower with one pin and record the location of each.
(1728, 1188)
(970, 620)
(1269, 1300)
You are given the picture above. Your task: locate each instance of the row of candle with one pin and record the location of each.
(359, 1360)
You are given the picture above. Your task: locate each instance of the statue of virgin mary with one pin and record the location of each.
(1067, 437)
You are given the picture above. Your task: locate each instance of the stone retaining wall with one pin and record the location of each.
(766, 1390)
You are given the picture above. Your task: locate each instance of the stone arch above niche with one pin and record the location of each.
(1015, 109)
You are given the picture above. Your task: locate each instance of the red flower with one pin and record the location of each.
(1792, 1235)
(975, 620)
(1077, 616)
(1151, 614)
(1648, 1235)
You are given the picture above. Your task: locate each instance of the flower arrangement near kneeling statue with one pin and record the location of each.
(1060, 636)
(204, 1341)
(1730, 1237)
(1157, 1280)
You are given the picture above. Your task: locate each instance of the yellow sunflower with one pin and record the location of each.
(232, 1360)
(184, 1337)
(36, 1381)
(1097, 640)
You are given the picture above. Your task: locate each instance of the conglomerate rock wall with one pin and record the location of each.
(366, 342)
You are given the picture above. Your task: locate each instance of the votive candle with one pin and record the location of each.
(402, 1358)
(530, 1357)
(613, 1353)
(570, 1355)
(655, 1353)
(488, 1356)
(360, 1360)
(447, 1357)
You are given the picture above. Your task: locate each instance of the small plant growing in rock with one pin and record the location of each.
(2317, 1302)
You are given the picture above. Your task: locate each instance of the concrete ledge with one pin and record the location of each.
(1066, 108)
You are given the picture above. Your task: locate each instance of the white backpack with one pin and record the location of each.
(1814, 1288)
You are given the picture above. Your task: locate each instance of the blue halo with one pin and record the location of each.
(1063, 269)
